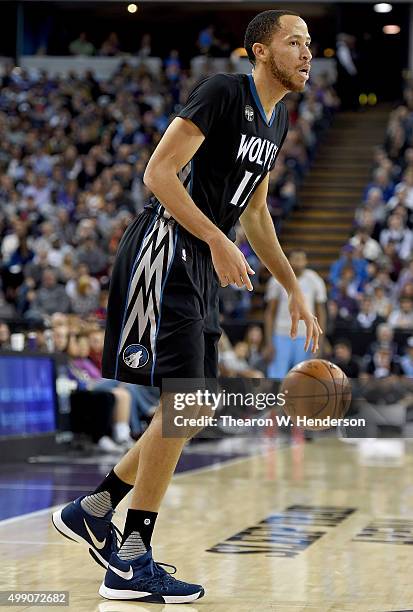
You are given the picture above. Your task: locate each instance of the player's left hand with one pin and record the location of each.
(299, 311)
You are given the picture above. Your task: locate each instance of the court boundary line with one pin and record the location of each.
(214, 467)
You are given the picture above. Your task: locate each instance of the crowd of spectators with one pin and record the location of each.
(211, 42)
(372, 282)
(72, 159)
(110, 47)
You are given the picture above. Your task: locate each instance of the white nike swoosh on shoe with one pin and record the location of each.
(96, 543)
(125, 575)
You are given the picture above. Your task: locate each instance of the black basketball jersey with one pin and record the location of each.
(240, 146)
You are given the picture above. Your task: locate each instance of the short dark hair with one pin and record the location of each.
(343, 342)
(261, 29)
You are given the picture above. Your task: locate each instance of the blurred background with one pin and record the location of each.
(87, 90)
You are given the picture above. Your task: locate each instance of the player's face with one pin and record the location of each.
(289, 53)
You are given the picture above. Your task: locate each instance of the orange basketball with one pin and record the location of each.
(317, 394)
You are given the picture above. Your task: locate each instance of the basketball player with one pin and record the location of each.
(209, 170)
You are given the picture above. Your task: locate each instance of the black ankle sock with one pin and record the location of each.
(137, 534)
(115, 486)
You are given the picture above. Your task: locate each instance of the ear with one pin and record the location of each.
(260, 51)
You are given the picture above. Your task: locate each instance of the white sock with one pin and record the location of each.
(132, 547)
(121, 432)
(97, 504)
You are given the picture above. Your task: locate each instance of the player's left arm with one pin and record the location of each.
(259, 229)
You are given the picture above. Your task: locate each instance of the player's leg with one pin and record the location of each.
(153, 459)
(132, 573)
(121, 416)
(88, 518)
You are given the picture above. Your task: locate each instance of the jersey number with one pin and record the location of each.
(245, 189)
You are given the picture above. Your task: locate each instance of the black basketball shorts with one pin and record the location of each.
(162, 319)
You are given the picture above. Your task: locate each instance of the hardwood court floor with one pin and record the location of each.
(337, 536)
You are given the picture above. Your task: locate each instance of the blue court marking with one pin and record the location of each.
(27, 488)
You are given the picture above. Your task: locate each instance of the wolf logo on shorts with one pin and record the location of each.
(135, 356)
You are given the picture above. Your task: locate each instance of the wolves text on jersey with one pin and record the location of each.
(259, 150)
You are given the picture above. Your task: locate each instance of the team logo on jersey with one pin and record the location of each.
(249, 113)
(135, 356)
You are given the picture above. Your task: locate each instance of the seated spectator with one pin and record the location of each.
(370, 248)
(405, 277)
(88, 376)
(390, 260)
(384, 338)
(205, 40)
(402, 317)
(58, 251)
(407, 186)
(382, 279)
(90, 254)
(407, 161)
(35, 268)
(101, 310)
(367, 318)
(342, 356)
(407, 360)
(407, 291)
(381, 364)
(173, 66)
(84, 298)
(231, 364)
(7, 310)
(374, 207)
(398, 233)
(145, 47)
(82, 46)
(382, 302)
(341, 312)
(22, 256)
(61, 338)
(381, 180)
(349, 259)
(347, 285)
(254, 346)
(96, 339)
(4, 336)
(110, 46)
(50, 297)
(59, 318)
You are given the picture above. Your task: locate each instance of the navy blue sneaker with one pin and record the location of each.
(144, 580)
(100, 534)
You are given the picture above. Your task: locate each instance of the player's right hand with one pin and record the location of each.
(230, 264)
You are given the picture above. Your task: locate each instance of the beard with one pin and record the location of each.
(285, 78)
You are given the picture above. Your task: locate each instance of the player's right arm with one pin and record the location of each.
(177, 147)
